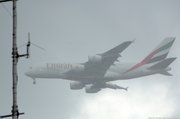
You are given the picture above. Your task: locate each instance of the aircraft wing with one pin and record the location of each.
(118, 49)
(98, 70)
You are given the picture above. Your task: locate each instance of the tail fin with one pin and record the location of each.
(163, 64)
(160, 52)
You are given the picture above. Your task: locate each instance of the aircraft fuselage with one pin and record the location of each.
(66, 71)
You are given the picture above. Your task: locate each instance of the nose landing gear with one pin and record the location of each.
(34, 81)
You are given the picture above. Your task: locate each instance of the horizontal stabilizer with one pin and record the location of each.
(166, 73)
(163, 64)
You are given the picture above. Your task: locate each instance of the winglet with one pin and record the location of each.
(118, 49)
(133, 41)
(126, 88)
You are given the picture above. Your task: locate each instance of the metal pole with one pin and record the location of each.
(15, 59)
(15, 113)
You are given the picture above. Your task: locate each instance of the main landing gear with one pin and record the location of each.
(34, 81)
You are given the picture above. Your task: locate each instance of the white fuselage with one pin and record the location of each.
(66, 71)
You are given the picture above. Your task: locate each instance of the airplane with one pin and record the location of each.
(100, 69)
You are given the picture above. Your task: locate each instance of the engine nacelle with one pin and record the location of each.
(76, 85)
(78, 68)
(95, 58)
(91, 89)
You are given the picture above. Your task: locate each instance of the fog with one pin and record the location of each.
(72, 30)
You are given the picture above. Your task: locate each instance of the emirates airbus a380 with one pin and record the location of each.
(100, 69)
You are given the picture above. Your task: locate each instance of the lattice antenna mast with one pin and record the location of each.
(15, 113)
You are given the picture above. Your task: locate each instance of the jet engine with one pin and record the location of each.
(95, 58)
(92, 89)
(78, 68)
(76, 85)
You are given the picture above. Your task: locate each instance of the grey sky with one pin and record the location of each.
(70, 31)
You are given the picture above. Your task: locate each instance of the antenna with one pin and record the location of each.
(28, 47)
(15, 113)
(10, 115)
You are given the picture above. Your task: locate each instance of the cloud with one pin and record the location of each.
(71, 30)
(128, 105)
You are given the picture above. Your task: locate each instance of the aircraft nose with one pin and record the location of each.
(26, 73)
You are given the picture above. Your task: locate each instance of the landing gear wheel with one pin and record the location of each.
(34, 82)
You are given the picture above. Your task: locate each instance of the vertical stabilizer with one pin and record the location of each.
(161, 51)
(158, 54)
